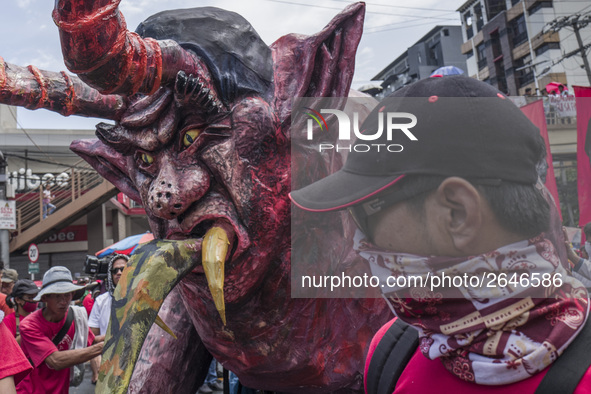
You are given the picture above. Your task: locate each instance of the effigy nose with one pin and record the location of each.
(164, 200)
(173, 191)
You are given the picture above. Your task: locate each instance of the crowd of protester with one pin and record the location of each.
(44, 347)
(39, 352)
(45, 332)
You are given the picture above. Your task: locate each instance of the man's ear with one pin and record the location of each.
(461, 217)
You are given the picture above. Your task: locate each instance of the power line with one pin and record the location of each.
(403, 24)
(400, 6)
(398, 28)
(46, 162)
(368, 12)
(576, 22)
(31, 139)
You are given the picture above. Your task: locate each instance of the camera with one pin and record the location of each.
(99, 268)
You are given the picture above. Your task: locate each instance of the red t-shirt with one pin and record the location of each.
(424, 376)
(36, 341)
(12, 360)
(88, 302)
(3, 307)
(10, 322)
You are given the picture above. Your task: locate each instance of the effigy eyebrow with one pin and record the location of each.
(150, 123)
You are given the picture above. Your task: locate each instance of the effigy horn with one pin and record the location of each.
(32, 88)
(97, 46)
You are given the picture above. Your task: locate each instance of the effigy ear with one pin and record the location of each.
(321, 65)
(111, 164)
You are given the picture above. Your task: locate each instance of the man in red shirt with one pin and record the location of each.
(13, 364)
(461, 201)
(52, 363)
(21, 299)
(3, 307)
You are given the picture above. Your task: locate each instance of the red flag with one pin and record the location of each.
(535, 113)
(583, 98)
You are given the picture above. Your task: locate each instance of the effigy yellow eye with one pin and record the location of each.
(190, 137)
(147, 159)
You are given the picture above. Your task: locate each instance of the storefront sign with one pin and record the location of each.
(69, 234)
(22, 180)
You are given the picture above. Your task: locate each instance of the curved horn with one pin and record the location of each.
(32, 88)
(98, 47)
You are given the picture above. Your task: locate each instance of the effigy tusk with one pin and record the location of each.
(214, 250)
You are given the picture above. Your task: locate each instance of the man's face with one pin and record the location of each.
(57, 304)
(117, 269)
(400, 228)
(7, 287)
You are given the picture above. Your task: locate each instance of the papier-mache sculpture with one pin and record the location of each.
(202, 139)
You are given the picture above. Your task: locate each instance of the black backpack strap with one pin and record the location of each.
(390, 357)
(565, 373)
(64, 330)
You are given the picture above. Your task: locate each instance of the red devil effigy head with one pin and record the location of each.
(202, 139)
(208, 140)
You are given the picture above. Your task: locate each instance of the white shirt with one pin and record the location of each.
(101, 313)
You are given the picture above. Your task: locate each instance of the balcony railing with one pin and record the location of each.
(29, 206)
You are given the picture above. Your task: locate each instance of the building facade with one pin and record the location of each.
(439, 47)
(511, 45)
(38, 157)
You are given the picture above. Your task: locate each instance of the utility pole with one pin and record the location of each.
(576, 22)
(4, 234)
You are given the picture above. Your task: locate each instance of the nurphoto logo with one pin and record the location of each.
(394, 122)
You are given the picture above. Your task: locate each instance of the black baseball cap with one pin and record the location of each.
(464, 127)
(24, 286)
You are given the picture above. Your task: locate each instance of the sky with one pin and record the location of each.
(29, 35)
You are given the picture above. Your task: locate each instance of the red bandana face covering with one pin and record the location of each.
(503, 331)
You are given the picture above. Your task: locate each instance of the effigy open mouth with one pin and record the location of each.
(214, 221)
(205, 240)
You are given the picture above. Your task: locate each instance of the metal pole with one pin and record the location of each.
(531, 49)
(4, 234)
(582, 47)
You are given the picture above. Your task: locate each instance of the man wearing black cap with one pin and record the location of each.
(21, 299)
(459, 202)
(51, 355)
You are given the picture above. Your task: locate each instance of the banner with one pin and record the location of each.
(564, 106)
(535, 113)
(7, 215)
(583, 100)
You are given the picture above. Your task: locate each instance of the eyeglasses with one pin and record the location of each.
(398, 193)
(361, 212)
(114, 271)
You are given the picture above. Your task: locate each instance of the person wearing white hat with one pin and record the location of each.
(43, 328)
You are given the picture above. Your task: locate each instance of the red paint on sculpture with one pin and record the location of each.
(203, 137)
